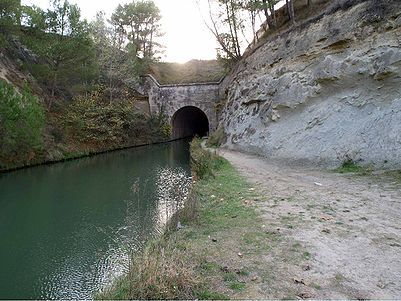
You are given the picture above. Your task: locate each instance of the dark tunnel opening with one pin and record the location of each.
(188, 122)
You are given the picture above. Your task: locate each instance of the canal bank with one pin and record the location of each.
(84, 154)
(180, 264)
(265, 230)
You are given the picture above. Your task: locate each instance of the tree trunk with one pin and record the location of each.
(290, 10)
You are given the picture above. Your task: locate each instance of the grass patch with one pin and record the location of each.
(350, 166)
(306, 255)
(395, 174)
(208, 295)
(230, 277)
(237, 286)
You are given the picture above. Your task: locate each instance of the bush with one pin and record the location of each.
(90, 119)
(350, 166)
(159, 272)
(203, 162)
(22, 122)
(217, 138)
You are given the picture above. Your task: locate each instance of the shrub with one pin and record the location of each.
(217, 138)
(350, 166)
(22, 122)
(203, 162)
(90, 119)
(159, 272)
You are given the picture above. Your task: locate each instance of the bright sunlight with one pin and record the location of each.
(185, 35)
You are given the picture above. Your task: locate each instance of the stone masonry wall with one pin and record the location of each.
(171, 98)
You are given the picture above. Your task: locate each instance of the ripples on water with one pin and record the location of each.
(93, 255)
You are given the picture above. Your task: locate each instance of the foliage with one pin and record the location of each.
(139, 21)
(158, 272)
(22, 120)
(227, 23)
(217, 138)
(350, 166)
(92, 120)
(10, 14)
(203, 162)
(231, 22)
(60, 38)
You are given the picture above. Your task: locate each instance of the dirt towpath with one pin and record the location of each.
(348, 228)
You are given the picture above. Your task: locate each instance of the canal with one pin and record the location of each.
(66, 229)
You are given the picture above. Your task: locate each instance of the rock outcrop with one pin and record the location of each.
(323, 92)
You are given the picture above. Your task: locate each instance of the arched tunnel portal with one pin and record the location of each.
(189, 121)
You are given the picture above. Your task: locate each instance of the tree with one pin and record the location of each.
(290, 10)
(226, 24)
(34, 17)
(10, 14)
(117, 59)
(65, 44)
(22, 122)
(140, 21)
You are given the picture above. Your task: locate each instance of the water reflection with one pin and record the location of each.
(68, 228)
(172, 190)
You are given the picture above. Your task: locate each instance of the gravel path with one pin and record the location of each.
(349, 225)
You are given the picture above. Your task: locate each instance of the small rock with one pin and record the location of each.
(305, 295)
(254, 278)
(381, 284)
(326, 231)
(346, 210)
(240, 255)
(179, 226)
(213, 196)
(214, 239)
(318, 184)
(306, 268)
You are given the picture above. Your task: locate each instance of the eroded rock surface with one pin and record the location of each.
(324, 92)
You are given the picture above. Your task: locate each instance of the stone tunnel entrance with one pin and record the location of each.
(189, 121)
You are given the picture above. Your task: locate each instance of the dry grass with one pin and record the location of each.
(161, 271)
(194, 71)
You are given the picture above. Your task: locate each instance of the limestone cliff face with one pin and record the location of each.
(323, 92)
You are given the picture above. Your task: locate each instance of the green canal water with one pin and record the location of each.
(66, 229)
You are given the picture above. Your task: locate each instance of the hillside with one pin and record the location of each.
(194, 71)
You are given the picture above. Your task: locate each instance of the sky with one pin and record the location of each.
(186, 37)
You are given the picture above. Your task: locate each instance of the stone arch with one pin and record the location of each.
(189, 121)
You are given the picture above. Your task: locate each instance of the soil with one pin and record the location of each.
(345, 228)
